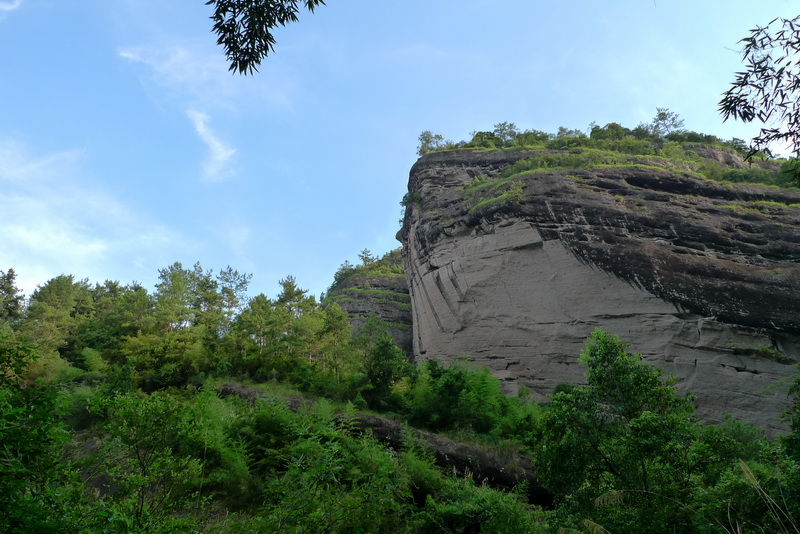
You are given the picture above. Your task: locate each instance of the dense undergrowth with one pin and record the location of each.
(197, 409)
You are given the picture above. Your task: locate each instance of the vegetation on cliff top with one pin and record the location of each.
(390, 265)
(378, 281)
(663, 142)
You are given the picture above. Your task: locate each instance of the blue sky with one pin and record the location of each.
(126, 145)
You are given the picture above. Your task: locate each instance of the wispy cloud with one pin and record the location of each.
(200, 78)
(184, 72)
(10, 5)
(188, 78)
(217, 164)
(53, 222)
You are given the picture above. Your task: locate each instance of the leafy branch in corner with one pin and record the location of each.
(244, 28)
(768, 90)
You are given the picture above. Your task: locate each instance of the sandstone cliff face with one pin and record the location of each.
(702, 278)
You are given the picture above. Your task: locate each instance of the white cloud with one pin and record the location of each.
(196, 76)
(201, 79)
(216, 167)
(52, 223)
(10, 5)
(189, 78)
(7, 7)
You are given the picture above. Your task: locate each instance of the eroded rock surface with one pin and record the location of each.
(384, 294)
(702, 278)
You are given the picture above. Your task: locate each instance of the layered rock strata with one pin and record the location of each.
(702, 278)
(386, 296)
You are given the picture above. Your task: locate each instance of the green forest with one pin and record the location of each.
(196, 408)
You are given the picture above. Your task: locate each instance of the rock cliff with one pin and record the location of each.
(378, 288)
(515, 271)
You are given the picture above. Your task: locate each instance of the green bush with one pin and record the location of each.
(386, 365)
(78, 404)
(153, 479)
(334, 482)
(463, 507)
(791, 442)
(627, 145)
(226, 461)
(573, 159)
(389, 265)
(460, 397)
(749, 174)
(751, 497)
(31, 470)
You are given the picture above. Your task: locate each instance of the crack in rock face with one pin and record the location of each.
(701, 278)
